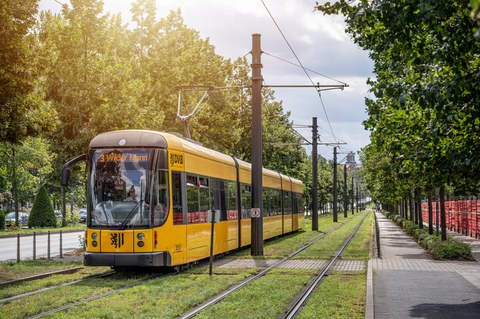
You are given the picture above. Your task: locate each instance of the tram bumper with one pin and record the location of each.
(157, 259)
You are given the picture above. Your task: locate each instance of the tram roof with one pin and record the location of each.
(146, 138)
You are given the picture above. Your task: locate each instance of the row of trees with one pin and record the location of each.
(425, 116)
(67, 77)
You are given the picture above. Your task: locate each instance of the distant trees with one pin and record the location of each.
(424, 119)
(69, 76)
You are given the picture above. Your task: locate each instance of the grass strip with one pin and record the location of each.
(359, 247)
(51, 299)
(264, 298)
(282, 246)
(51, 281)
(166, 297)
(341, 295)
(327, 247)
(11, 271)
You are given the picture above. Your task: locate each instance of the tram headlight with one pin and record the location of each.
(94, 243)
(140, 236)
(94, 236)
(140, 244)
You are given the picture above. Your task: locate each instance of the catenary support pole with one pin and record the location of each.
(335, 195)
(314, 175)
(257, 183)
(345, 199)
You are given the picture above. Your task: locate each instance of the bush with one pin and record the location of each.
(451, 249)
(42, 214)
(2, 220)
(410, 227)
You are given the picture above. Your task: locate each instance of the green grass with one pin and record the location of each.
(341, 295)
(50, 281)
(282, 246)
(31, 305)
(359, 247)
(326, 247)
(26, 268)
(265, 298)
(167, 297)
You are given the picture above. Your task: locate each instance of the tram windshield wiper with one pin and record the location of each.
(130, 215)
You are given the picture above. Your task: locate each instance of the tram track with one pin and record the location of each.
(64, 307)
(300, 300)
(31, 293)
(100, 296)
(217, 299)
(39, 276)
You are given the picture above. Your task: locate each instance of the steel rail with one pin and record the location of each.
(40, 276)
(30, 293)
(105, 294)
(229, 291)
(303, 297)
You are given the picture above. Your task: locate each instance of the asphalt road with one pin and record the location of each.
(8, 246)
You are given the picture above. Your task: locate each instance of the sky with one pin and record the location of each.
(319, 42)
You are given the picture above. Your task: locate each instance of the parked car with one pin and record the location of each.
(82, 214)
(10, 219)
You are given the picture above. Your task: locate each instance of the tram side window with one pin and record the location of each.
(287, 202)
(219, 191)
(276, 203)
(231, 200)
(267, 201)
(246, 200)
(177, 198)
(160, 198)
(192, 199)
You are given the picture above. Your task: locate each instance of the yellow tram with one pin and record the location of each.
(149, 194)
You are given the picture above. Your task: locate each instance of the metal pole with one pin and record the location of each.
(353, 197)
(48, 245)
(18, 248)
(257, 183)
(34, 246)
(335, 213)
(345, 201)
(314, 174)
(61, 244)
(357, 197)
(211, 242)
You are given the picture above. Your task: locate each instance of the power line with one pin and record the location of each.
(309, 70)
(301, 65)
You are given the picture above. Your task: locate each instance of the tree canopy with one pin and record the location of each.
(425, 116)
(71, 75)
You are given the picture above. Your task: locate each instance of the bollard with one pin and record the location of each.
(61, 249)
(48, 245)
(34, 246)
(18, 248)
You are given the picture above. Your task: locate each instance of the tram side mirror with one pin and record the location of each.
(65, 176)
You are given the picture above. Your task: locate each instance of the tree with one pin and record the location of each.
(424, 118)
(42, 214)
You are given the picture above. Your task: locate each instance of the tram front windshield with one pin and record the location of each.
(119, 188)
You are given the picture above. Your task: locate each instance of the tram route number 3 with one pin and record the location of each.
(255, 212)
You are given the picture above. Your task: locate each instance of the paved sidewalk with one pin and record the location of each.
(407, 283)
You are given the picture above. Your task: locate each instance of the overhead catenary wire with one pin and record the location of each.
(301, 65)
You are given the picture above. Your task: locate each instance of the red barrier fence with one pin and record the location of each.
(462, 216)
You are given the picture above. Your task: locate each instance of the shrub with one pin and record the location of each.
(451, 249)
(410, 227)
(399, 220)
(2, 220)
(42, 214)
